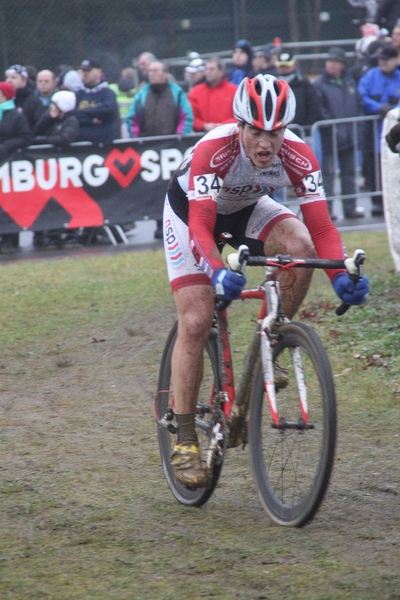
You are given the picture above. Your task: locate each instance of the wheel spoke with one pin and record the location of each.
(291, 465)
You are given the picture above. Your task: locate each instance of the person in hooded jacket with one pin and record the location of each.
(242, 62)
(96, 106)
(14, 129)
(25, 100)
(58, 125)
(14, 134)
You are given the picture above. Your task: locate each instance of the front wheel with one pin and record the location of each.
(208, 422)
(292, 464)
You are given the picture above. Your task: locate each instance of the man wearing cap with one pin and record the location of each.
(264, 60)
(380, 92)
(338, 99)
(96, 106)
(195, 72)
(242, 62)
(212, 101)
(25, 100)
(307, 105)
(14, 134)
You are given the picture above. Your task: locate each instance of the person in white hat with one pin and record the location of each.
(58, 126)
(195, 72)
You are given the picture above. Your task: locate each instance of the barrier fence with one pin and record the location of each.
(87, 185)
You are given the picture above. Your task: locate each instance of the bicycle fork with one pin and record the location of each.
(268, 340)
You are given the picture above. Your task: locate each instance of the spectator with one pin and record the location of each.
(25, 99)
(143, 61)
(369, 34)
(69, 79)
(260, 62)
(58, 125)
(338, 98)
(97, 108)
(368, 49)
(396, 41)
(380, 92)
(32, 74)
(212, 101)
(124, 91)
(307, 106)
(159, 108)
(242, 62)
(195, 72)
(272, 51)
(388, 13)
(14, 133)
(46, 84)
(264, 61)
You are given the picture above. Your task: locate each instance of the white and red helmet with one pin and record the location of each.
(264, 102)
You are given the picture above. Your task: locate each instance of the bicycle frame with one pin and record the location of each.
(269, 294)
(235, 404)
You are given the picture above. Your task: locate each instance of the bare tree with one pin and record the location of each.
(311, 9)
(294, 30)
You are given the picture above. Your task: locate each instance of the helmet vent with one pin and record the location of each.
(277, 88)
(258, 87)
(268, 105)
(282, 111)
(253, 109)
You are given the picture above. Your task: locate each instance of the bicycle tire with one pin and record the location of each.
(292, 467)
(166, 440)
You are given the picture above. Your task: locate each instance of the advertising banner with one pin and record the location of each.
(87, 185)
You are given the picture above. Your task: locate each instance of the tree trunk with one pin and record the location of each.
(294, 30)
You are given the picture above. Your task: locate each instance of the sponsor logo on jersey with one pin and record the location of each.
(175, 253)
(243, 190)
(223, 157)
(295, 158)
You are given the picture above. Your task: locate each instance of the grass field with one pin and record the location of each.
(85, 512)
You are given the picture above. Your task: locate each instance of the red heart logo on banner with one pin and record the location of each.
(123, 166)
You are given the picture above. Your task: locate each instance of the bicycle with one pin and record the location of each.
(291, 430)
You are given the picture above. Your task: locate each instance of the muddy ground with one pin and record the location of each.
(85, 511)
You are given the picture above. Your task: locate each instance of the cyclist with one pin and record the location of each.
(223, 186)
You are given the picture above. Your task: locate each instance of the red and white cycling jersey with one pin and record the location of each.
(219, 179)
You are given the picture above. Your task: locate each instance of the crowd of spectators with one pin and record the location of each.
(80, 105)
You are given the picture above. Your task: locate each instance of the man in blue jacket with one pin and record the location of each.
(380, 92)
(96, 106)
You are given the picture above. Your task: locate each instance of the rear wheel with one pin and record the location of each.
(292, 465)
(209, 422)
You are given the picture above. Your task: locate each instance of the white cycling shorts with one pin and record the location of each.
(249, 226)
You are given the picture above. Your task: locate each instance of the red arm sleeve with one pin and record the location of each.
(202, 217)
(325, 236)
(303, 168)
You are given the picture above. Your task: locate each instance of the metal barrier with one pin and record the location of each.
(365, 157)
